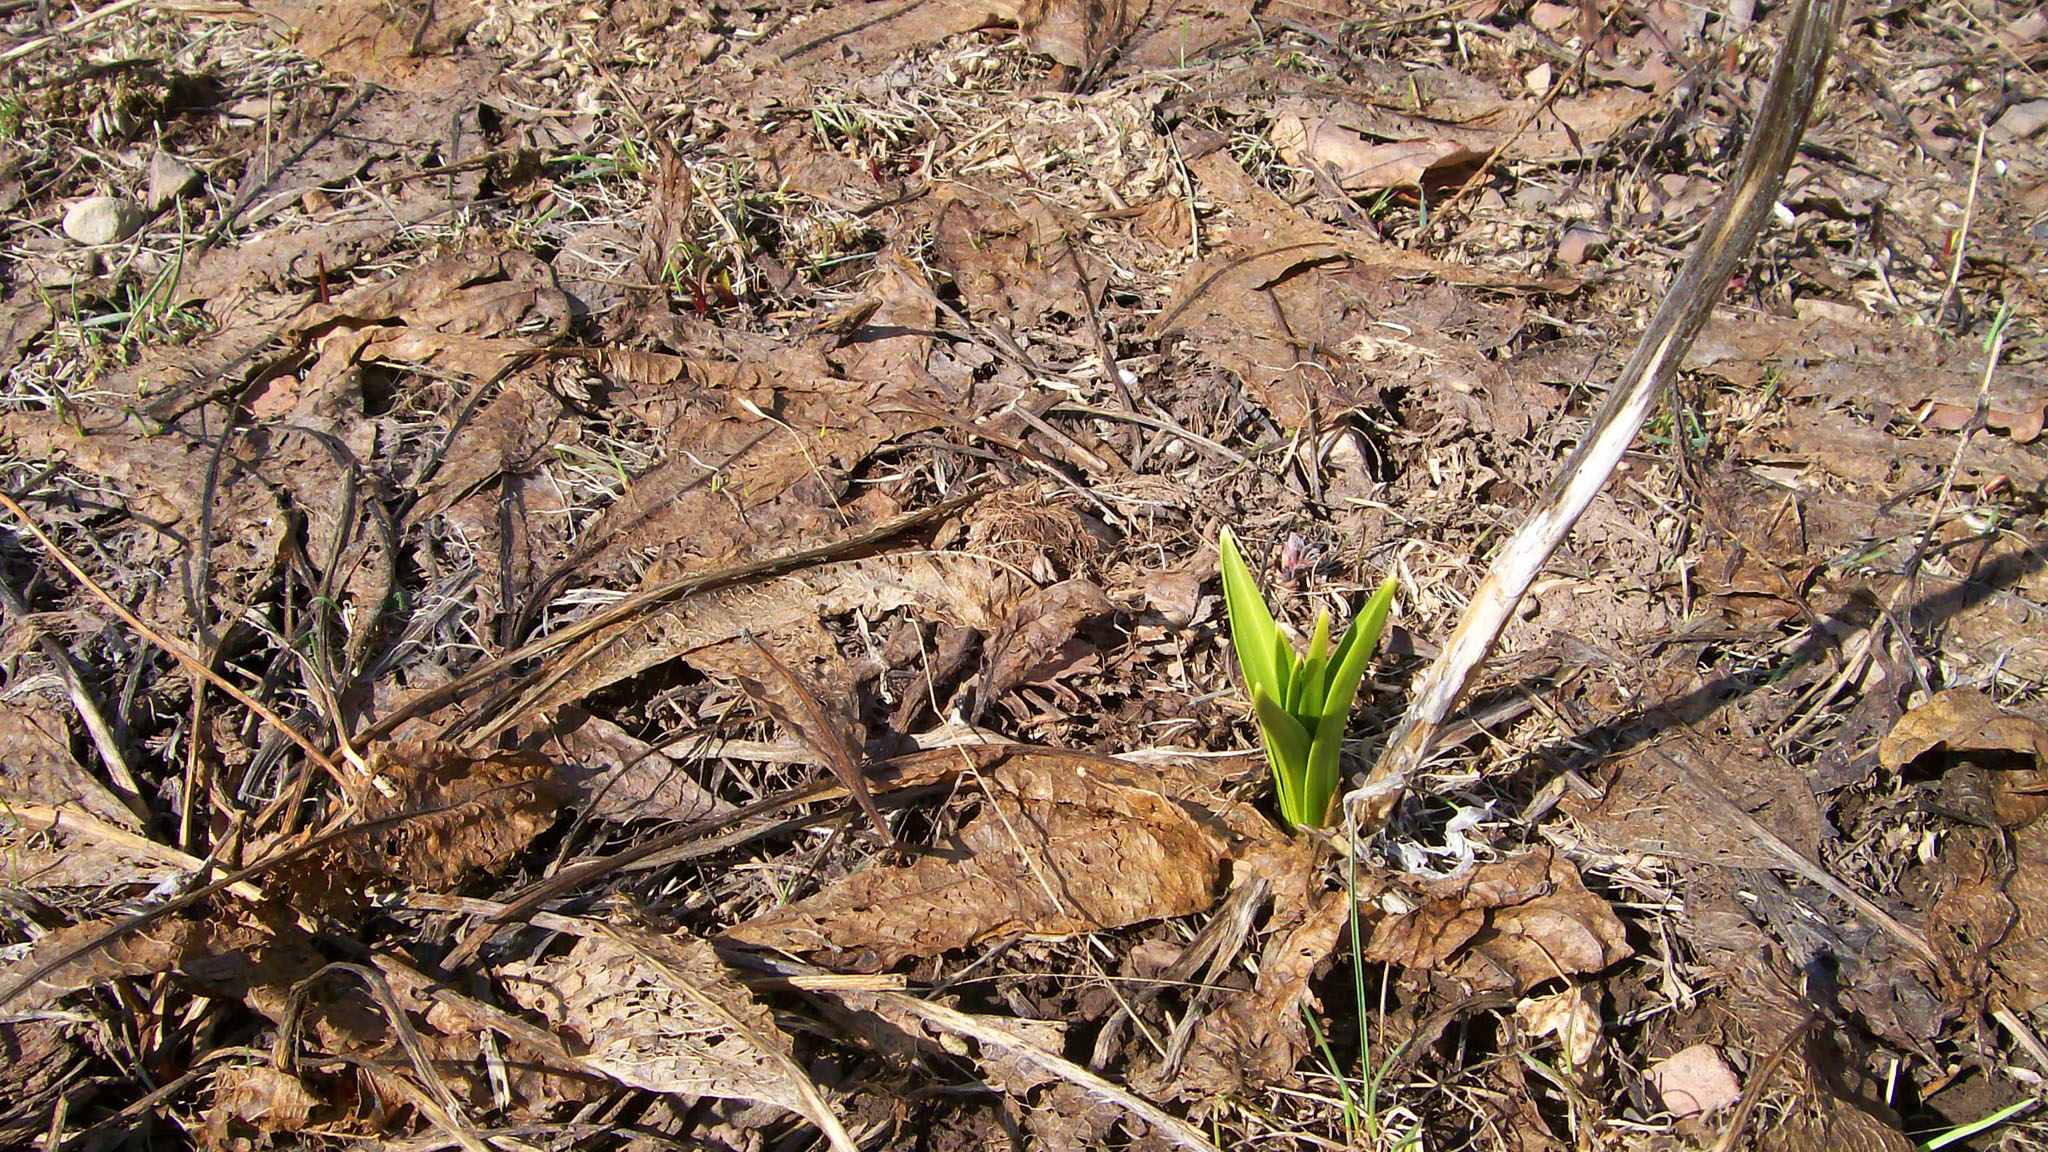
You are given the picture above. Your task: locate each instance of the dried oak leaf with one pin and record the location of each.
(662, 1013)
(1508, 924)
(1064, 844)
(1963, 721)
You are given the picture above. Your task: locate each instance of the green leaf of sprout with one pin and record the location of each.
(1302, 701)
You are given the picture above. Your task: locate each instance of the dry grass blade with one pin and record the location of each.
(673, 962)
(176, 651)
(992, 1032)
(796, 706)
(1737, 221)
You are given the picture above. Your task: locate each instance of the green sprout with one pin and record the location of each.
(1303, 702)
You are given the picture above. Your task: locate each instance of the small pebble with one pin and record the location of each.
(99, 220)
(1581, 243)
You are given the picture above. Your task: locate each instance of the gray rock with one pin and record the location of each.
(99, 220)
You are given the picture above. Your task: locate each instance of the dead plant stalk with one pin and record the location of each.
(1730, 233)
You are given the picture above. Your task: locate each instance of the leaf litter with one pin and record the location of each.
(633, 444)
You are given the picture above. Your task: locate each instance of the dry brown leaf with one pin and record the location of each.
(1359, 165)
(959, 589)
(1965, 720)
(36, 765)
(1008, 258)
(167, 481)
(477, 813)
(1508, 924)
(1256, 1038)
(1064, 844)
(1033, 643)
(663, 1014)
(614, 776)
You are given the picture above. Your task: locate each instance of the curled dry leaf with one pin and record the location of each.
(662, 1013)
(1359, 165)
(1507, 924)
(1064, 843)
(1963, 721)
(1035, 641)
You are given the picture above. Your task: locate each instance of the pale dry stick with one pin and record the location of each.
(177, 652)
(1730, 233)
(1955, 271)
(125, 789)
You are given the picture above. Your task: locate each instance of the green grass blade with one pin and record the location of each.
(1319, 782)
(1314, 673)
(1287, 748)
(1252, 631)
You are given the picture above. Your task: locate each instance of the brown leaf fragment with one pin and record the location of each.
(1508, 924)
(1032, 643)
(1358, 165)
(662, 1013)
(614, 776)
(1064, 844)
(477, 812)
(952, 587)
(829, 727)
(1256, 1038)
(1963, 721)
(254, 1103)
(36, 765)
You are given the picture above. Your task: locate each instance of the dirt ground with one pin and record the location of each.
(642, 575)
